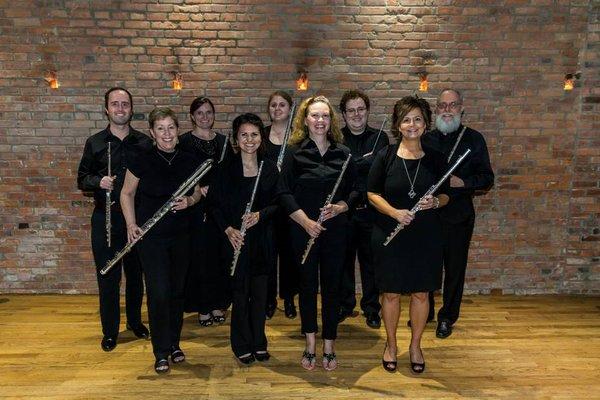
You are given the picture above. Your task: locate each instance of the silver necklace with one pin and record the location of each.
(412, 192)
(165, 158)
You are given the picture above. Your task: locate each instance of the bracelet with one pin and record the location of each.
(436, 202)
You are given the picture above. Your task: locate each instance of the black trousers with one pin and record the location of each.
(248, 314)
(109, 284)
(457, 239)
(323, 266)
(359, 244)
(207, 282)
(165, 262)
(289, 276)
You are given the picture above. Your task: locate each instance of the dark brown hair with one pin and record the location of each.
(406, 105)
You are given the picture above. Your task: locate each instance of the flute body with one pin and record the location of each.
(328, 201)
(286, 137)
(236, 254)
(108, 203)
(185, 186)
(431, 191)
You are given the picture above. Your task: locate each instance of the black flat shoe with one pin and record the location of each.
(140, 331)
(247, 359)
(343, 315)
(262, 356)
(373, 320)
(417, 368)
(177, 355)
(108, 343)
(270, 310)
(161, 366)
(289, 309)
(444, 329)
(389, 366)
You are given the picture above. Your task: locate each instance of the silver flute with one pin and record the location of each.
(185, 186)
(286, 137)
(248, 209)
(224, 149)
(431, 191)
(377, 138)
(328, 201)
(107, 218)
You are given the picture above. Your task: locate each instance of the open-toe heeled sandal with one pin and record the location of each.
(329, 358)
(161, 366)
(177, 355)
(219, 319)
(311, 358)
(205, 322)
(389, 366)
(417, 368)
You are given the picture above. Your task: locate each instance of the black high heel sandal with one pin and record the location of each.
(219, 319)
(177, 355)
(389, 366)
(417, 368)
(205, 322)
(161, 366)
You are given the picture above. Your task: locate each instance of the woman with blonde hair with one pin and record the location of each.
(312, 165)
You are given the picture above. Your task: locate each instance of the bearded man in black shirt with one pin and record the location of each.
(92, 176)
(364, 142)
(475, 173)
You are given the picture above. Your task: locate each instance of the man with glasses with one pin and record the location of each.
(364, 142)
(475, 173)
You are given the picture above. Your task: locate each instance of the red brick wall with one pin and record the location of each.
(537, 230)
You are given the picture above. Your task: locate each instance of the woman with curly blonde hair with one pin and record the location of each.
(309, 172)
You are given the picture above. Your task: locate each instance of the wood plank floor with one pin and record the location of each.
(504, 347)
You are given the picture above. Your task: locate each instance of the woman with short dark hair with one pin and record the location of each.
(412, 262)
(150, 181)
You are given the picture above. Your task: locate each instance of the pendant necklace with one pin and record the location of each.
(165, 158)
(412, 192)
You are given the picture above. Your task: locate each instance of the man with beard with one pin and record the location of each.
(93, 176)
(458, 217)
(364, 142)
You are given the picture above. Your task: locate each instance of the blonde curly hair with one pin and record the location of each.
(300, 131)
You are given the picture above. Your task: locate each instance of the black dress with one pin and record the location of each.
(207, 286)
(412, 261)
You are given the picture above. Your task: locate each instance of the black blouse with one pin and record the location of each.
(307, 178)
(271, 149)
(158, 180)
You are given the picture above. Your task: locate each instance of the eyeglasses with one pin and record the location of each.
(317, 117)
(358, 110)
(452, 106)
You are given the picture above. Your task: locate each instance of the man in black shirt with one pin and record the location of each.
(364, 142)
(93, 176)
(458, 217)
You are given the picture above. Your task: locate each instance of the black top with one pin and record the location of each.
(475, 170)
(360, 145)
(205, 149)
(158, 180)
(228, 196)
(307, 178)
(94, 162)
(271, 149)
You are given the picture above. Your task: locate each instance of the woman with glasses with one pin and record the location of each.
(207, 285)
(279, 108)
(412, 262)
(309, 172)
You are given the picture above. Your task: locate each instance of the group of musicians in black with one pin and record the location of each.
(291, 206)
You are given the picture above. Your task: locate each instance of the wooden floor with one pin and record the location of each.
(504, 347)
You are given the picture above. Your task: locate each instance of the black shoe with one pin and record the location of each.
(389, 366)
(177, 355)
(161, 366)
(246, 360)
(417, 368)
(139, 331)
(262, 356)
(444, 329)
(430, 318)
(270, 311)
(343, 315)
(373, 320)
(108, 343)
(289, 309)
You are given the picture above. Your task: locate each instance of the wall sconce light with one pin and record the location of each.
(569, 81)
(423, 84)
(177, 82)
(51, 78)
(302, 82)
